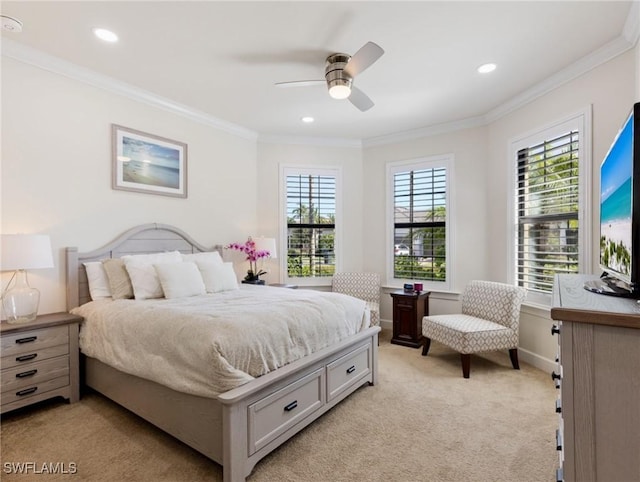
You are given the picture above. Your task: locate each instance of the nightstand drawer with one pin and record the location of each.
(273, 415)
(33, 355)
(34, 389)
(33, 340)
(347, 370)
(14, 379)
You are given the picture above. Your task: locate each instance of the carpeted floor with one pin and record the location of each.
(422, 422)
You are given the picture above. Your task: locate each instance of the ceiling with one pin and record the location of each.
(222, 59)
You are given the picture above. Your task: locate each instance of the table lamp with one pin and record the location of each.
(21, 252)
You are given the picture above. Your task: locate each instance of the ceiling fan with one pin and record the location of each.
(340, 70)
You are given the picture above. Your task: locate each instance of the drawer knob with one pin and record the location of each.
(26, 374)
(291, 406)
(26, 391)
(555, 330)
(555, 376)
(351, 369)
(28, 357)
(27, 339)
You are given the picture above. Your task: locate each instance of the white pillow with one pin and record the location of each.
(211, 256)
(218, 277)
(98, 281)
(179, 280)
(144, 278)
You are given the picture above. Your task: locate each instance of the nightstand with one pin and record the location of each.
(408, 310)
(39, 360)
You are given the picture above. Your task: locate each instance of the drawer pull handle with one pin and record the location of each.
(26, 391)
(558, 406)
(555, 376)
(26, 340)
(291, 406)
(351, 369)
(555, 330)
(28, 357)
(26, 374)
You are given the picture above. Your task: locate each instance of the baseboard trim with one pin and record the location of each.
(536, 360)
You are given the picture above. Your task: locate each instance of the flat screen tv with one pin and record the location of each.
(620, 213)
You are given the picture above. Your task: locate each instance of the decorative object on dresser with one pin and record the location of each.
(409, 308)
(21, 252)
(256, 250)
(598, 437)
(147, 163)
(40, 360)
(365, 286)
(489, 322)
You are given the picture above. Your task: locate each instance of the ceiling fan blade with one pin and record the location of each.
(363, 58)
(360, 99)
(301, 83)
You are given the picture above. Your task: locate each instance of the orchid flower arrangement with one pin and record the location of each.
(253, 255)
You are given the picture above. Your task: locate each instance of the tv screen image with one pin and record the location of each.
(620, 213)
(616, 204)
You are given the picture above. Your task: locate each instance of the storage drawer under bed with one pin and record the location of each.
(347, 370)
(276, 413)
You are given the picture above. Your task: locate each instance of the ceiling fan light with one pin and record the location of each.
(339, 91)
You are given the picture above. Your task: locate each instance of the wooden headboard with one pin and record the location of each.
(146, 238)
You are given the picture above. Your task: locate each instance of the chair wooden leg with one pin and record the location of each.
(513, 354)
(466, 364)
(425, 346)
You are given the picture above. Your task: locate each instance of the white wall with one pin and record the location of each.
(348, 159)
(56, 171)
(469, 208)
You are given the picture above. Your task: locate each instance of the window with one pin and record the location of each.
(310, 210)
(420, 213)
(549, 201)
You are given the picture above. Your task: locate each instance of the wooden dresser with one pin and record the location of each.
(598, 376)
(39, 360)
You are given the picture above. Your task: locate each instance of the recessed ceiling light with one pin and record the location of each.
(486, 68)
(11, 24)
(106, 35)
(307, 119)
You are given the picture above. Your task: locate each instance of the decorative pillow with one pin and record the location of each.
(119, 282)
(98, 280)
(212, 256)
(179, 280)
(144, 278)
(218, 277)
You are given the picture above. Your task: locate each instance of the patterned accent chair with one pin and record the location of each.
(365, 286)
(489, 322)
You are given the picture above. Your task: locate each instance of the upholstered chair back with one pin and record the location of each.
(497, 302)
(365, 286)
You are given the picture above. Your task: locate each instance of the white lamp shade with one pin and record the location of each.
(25, 251)
(266, 244)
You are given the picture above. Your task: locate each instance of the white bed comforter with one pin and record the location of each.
(206, 345)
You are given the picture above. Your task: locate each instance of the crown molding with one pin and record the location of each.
(587, 63)
(424, 132)
(37, 58)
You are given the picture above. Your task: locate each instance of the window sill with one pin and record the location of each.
(536, 309)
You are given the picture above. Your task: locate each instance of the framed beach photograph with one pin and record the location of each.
(147, 163)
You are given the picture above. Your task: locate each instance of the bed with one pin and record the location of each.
(238, 427)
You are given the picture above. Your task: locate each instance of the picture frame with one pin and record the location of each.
(146, 163)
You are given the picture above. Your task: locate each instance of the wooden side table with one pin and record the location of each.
(408, 310)
(40, 360)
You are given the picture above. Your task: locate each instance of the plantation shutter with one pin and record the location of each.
(547, 202)
(311, 210)
(419, 198)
